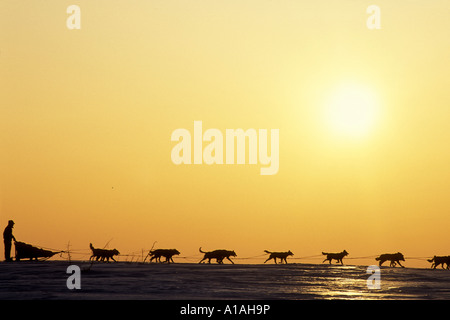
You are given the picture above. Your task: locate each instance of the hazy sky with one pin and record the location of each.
(86, 118)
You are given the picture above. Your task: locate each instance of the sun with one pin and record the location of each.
(352, 110)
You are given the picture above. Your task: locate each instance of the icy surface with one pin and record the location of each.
(47, 280)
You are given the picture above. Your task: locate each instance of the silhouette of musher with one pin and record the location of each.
(7, 237)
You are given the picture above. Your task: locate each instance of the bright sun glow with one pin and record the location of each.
(352, 110)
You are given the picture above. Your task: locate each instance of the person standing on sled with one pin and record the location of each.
(7, 237)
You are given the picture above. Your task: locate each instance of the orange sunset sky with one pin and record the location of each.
(86, 118)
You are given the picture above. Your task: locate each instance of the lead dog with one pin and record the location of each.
(440, 260)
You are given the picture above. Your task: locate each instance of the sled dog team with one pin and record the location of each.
(221, 254)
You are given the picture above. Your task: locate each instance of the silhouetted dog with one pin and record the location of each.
(166, 253)
(280, 255)
(393, 257)
(440, 260)
(336, 256)
(103, 254)
(219, 255)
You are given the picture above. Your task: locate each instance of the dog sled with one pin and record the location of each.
(27, 251)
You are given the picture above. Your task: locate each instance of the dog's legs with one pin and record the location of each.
(204, 258)
(267, 259)
(230, 260)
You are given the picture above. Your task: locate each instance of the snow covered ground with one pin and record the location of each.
(187, 281)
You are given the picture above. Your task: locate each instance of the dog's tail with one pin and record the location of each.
(91, 246)
(431, 260)
(325, 253)
(200, 249)
(267, 252)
